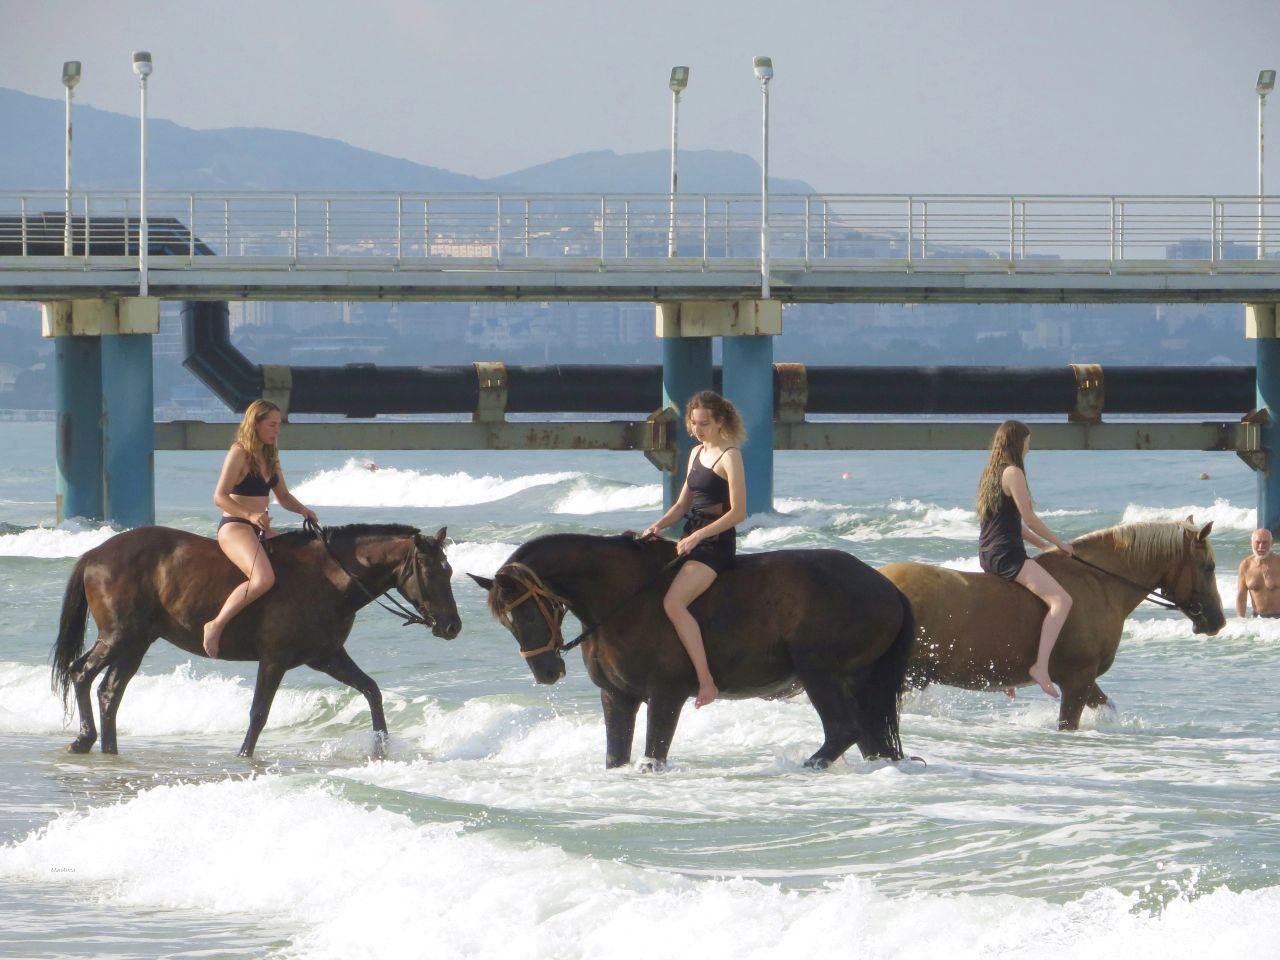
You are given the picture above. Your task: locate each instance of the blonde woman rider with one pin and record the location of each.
(715, 497)
(1007, 517)
(250, 473)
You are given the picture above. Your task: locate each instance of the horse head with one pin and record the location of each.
(523, 604)
(424, 578)
(1190, 582)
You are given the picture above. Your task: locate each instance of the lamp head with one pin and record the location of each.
(764, 69)
(71, 74)
(142, 63)
(1266, 82)
(679, 79)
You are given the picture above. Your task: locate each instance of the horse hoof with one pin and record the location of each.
(379, 751)
(817, 763)
(79, 746)
(653, 766)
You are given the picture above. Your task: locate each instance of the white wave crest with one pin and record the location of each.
(354, 484)
(588, 497)
(51, 543)
(1222, 513)
(334, 864)
(482, 559)
(179, 702)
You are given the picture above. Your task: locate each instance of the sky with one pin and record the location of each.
(869, 96)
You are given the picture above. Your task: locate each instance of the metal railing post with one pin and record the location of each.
(924, 229)
(626, 227)
(1213, 231)
(807, 265)
(328, 204)
(295, 230)
(1013, 224)
(226, 228)
(191, 229)
(399, 227)
(911, 230)
(1022, 235)
(704, 231)
(603, 212)
(826, 227)
(23, 206)
(426, 226)
(499, 230)
(526, 228)
(87, 234)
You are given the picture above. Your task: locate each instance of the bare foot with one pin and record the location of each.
(1041, 676)
(1011, 692)
(706, 694)
(212, 638)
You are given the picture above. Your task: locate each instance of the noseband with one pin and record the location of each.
(551, 606)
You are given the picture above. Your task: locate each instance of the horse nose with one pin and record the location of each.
(448, 628)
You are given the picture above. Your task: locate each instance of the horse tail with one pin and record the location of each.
(70, 643)
(880, 690)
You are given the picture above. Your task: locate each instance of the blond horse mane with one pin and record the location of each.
(1144, 542)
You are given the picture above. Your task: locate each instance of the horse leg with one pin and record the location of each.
(264, 691)
(1074, 698)
(835, 709)
(1095, 698)
(619, 726)
(82, 674)
(342, 668)
(664, 714)
(111, 691)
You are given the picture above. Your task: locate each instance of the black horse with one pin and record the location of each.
(818, 620)
(156, 582)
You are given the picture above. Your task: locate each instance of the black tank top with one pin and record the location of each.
(1000, 539)
(709, 489)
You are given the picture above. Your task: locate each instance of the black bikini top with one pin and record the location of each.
(254, 486)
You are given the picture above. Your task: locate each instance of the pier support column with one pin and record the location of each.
(77, 378)
(1260, 325)
(747, 327)
(106, 429)
(686, 369)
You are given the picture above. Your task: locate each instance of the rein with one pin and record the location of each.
(535, 588)
(407, 614)
(1151, 594)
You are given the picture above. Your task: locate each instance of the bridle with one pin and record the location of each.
(553, 607)
(1154, 594)
(550, 605)
(410, 566)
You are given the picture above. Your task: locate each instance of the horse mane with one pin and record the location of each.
(1145, 541)
(659, 550)
(350, 531)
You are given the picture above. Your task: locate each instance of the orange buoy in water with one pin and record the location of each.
(1204, 476)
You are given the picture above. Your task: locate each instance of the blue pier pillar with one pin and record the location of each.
(748, 384)
(78, 399)
(128, 430)
(686, 369)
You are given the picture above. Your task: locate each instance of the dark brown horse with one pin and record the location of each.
(980, 632)
(818, 620)
(157, 582)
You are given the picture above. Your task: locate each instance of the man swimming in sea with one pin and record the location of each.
(1260, 578)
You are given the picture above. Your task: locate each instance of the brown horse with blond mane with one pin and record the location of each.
(980, 632)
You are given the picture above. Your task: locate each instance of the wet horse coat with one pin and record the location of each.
(820, 620)
(156, 582)
(981, 632)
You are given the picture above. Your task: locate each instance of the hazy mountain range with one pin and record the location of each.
(256, 158)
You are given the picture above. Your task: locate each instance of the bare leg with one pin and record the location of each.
(690, 583)
(1034, 578)
(239, 541)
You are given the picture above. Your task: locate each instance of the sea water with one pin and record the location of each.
(492, 829)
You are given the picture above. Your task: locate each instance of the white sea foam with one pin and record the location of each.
(591, 496)
(916, 519)
(50, 543)
(773, 538)
(353, 484)
(334, 864)
(175, 703)
(1222, 513)
(482, 559)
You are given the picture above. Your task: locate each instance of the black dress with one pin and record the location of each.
(710, 490)
(1000, 549)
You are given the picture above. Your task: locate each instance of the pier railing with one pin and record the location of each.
(591, 232)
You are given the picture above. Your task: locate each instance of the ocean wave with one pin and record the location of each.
(54, 543)
(334, 863)
(354, 484)
(156, 705)
(1222, 513)
(482, 559)
(592, 496)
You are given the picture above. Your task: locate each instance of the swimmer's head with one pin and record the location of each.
(1261, 542)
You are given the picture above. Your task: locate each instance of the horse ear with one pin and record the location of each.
(1203, 535)
(1190, 518)
(484, 582)
(440, 535)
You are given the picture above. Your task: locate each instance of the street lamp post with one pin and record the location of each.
(679, 80)
(142, 67)
(70, 77)
(1266, 83)
(764, 73)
